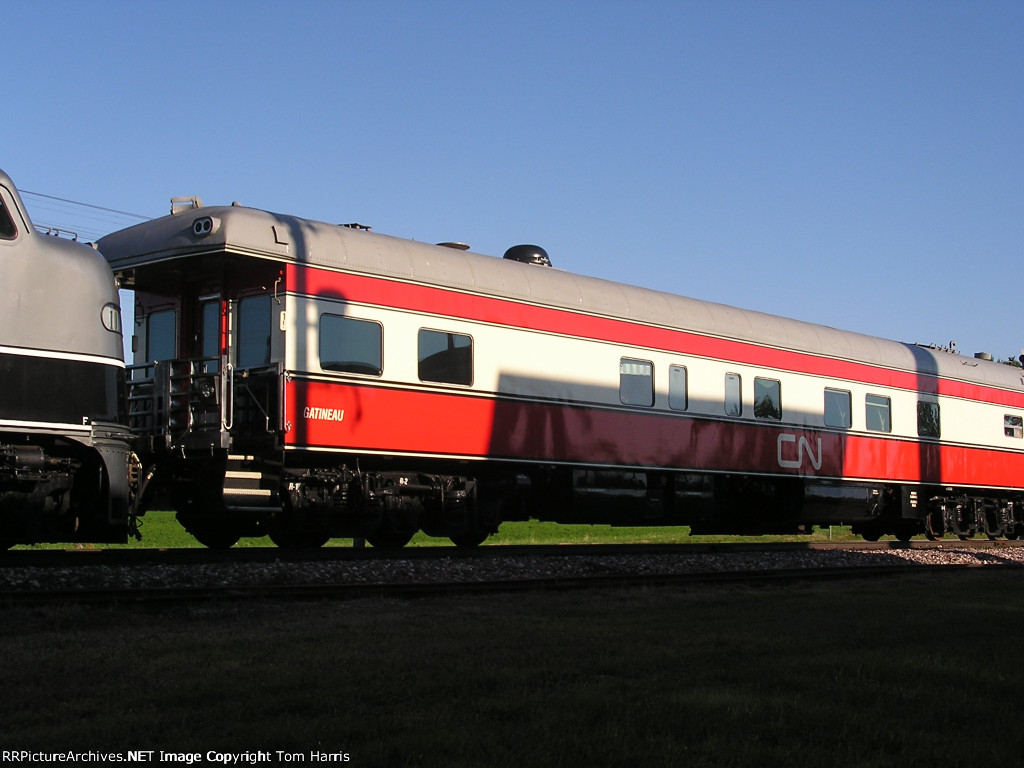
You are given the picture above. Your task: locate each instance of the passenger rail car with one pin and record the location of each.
(65, 448)
(314, 380)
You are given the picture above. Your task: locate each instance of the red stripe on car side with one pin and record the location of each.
(439, 301)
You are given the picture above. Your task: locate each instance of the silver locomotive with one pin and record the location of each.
(66, 464)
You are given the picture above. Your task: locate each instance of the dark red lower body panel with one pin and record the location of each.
(380, 419)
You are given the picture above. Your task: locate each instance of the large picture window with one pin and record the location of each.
(928, 419)
(445, 357)
(349, 345)
(768, 399)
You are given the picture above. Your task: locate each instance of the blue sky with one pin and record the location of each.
(857, 164)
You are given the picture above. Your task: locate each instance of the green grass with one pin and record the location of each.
(900, 673)
(161, 531)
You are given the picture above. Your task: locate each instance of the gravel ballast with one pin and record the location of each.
(488, 569)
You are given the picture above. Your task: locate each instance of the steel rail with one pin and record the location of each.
(64, 558)
(156, 596)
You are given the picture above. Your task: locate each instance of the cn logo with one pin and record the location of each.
(803, 450)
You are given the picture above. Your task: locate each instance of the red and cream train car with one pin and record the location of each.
(314, 380)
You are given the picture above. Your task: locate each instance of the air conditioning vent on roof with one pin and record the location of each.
(528, 254)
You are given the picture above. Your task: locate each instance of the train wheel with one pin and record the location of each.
(934, 528)
(399, 523)
(991, 524)
(205, 517)
(297, 539)
(471, 539)
(284, 531)
(212, 534)
(385, 538)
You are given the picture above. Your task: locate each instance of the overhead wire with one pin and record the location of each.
(84, 221)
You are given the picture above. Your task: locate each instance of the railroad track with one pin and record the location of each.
(176, 576)
(177, 594)
(62, 558)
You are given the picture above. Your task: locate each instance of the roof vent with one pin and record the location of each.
(983, 356)
(456, 246)
(528, 254)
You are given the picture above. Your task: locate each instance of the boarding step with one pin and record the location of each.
(246, 486)
(249, 498)
(235, 478)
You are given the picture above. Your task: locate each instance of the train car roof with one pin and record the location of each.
(252, 232)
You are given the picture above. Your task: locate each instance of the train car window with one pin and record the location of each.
(8, 231)
(877, 413)
(928, 419)
(254, 324)
(349, 345)
(209, 330)
(733, 395)
(768, 399)
(1013, 426)
(636, 382)
(444, 357)
(162, 335)
(677, 392)
(838, 408)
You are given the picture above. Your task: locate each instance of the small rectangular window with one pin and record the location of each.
(209, 334)
(733, 395)
(1013, 426)
(348, 345)
(254, 327)
(928, 419)
(677, 394)
(636, 382)
(162, 335)
(8, 231)
(445, 357)
(210, 328)
(767, 399)
(838, 408)
(877, 413)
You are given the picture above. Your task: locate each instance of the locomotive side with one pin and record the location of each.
(65, 448)
(313, 380)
